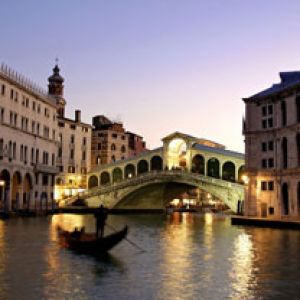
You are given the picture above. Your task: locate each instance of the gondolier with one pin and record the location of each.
(101, 216)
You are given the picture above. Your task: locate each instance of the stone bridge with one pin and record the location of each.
(127, 194)
(145, 181)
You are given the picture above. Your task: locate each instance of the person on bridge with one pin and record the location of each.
(101, 216)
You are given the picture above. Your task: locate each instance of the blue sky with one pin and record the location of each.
(159, 66)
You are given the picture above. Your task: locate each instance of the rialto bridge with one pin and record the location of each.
(150, 180)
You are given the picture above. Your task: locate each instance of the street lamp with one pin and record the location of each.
(2, 183)
(245, 179)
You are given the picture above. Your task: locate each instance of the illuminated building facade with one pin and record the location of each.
(272, 137)
(39, 146)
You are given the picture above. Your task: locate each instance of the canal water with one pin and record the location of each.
(188, 256)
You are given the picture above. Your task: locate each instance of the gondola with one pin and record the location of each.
(87, 243)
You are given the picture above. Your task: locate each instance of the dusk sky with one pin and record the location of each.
(158, 66)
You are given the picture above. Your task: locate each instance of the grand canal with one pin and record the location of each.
(188, 256)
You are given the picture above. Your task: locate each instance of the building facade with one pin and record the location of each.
(110, 142)
(43, 155)
(28, 143)
(272, 140)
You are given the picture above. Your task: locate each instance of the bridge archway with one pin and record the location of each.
(129, 171)
(93, 182)
(143, 167)
(156, 163)
(198, 164)
(117, 175)
(213, 167)
(228, 171)
(241, 173)
(177, 149)
(104, 178)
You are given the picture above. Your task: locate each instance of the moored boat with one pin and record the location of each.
(88, 243)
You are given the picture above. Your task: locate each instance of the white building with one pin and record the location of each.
(37, 143)
(272, 136)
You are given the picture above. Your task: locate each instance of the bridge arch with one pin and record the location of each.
(117, 175)
(156, 163)
(93, 181)
(142, 167)
(228, 171)
(198, 164)
(241, 173)
(129, 171)
(213, 167)
(104, 178)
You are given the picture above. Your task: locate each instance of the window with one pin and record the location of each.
(72, 154)
(123, 149)
(45, 180)
(33, 105)
(271, 163)
(271, 145)
(72, 139)
(99, 146)
(114, 135)
(84, 141)
(264, 111)
(271, 185)
(1, 114)
(264, 124)
(298, 108)
(270, 109)
(263, 185)
(264, 163)
(264, 146)
(284, 147)
(83, 155)
(270, 122)
(33, 126)
(283, 113)
(113, 147)
(3, 90)
(11, 94)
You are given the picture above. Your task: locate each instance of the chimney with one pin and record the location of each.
(77, 116)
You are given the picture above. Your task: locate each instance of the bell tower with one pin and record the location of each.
(56, 89)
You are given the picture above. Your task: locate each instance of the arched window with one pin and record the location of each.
(241, 172)
(123, 149)
(156, 163)
(142, 166)
(99, 146)
(298, 108)
(104, 178)
(213, 168)
(117, 175)
(284, 147)
(198, 164)
(298, 197)
(228, 171)
(113, 147)
(285, 199)
(298, 148)
(129, 171)
(283, 113)
(93, 182)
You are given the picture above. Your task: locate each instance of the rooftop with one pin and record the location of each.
(288, 80)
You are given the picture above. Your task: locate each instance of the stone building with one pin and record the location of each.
(272, 137)
(38, 143)
(74, 144)
(28, 143)
(110, 142)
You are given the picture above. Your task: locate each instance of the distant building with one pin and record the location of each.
(272, 137)
(110, 142)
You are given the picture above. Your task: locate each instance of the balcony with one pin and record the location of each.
(41, 168)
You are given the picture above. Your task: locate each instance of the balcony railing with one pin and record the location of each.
(42, 168)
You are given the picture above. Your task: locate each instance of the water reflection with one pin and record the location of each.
(189, 256)
(243, 279)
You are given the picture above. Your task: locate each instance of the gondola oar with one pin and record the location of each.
(127, 239)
